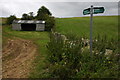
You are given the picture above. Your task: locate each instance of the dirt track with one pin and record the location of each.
(18, 55)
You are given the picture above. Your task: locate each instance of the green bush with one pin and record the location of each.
(50, 23)
(10, 19)
(63, 56)
(69, 61)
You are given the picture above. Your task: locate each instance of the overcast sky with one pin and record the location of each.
(59, 8)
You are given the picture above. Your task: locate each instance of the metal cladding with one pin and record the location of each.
(20, 25)
(29, 21)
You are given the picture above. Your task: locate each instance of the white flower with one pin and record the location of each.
(82, 39)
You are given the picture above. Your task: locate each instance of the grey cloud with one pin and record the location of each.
(58, 9)
(66, 9)
(60, 0)
(4, 12)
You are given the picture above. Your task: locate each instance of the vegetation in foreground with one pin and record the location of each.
(71, 59)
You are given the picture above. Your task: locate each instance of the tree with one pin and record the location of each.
(25, 16)
(42, 12)
(10, 19)
(31, 15)
(50, 23)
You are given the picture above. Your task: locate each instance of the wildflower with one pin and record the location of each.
(82, 39)
(109, 61)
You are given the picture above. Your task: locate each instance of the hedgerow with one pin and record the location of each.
(71, 59)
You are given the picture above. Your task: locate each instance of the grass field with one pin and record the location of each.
(102, 25)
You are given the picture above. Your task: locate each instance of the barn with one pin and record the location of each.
(28, 25)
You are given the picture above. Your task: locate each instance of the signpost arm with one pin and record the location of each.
(91, 24)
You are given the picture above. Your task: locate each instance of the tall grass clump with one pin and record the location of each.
(71, 59)
(63, 56)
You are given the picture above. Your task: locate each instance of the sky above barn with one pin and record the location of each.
(58, 8)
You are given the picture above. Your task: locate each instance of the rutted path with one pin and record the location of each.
(18, 55)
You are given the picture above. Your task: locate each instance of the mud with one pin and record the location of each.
(17, 58)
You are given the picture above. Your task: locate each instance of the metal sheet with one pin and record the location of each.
(29, 21)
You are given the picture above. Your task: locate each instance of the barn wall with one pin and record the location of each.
(16, 27)
(40, 27)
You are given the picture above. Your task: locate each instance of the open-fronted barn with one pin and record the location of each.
(28, 25)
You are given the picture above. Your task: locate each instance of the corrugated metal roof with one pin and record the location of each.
(29, 21)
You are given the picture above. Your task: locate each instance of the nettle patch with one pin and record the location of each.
(69, 57)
